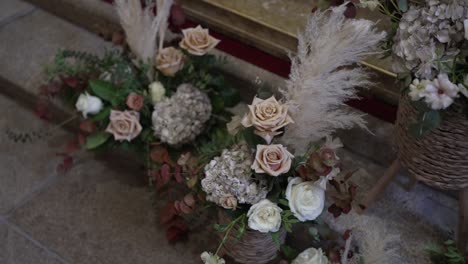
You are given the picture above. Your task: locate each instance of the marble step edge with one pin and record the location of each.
(94, 15)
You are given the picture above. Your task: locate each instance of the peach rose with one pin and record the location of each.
(124, 125)
(197, 41)
(267, 117)
(272, 159)
(228, 202)
(135, 101)
(169, 61)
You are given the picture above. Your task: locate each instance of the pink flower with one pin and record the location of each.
(135, 101)
(272, 159)
(124, 125)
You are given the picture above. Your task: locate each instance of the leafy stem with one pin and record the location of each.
(228, 229)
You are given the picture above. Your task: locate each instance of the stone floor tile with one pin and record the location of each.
(30, 43)
(11, 9)
(17, 249)
(102, 214)
(26, 167)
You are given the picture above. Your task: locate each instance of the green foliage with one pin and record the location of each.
(97, 139)
(288, 219)
(289, 253)
(106, 91)
(446, 254)
(240, 222)
(220, 139)
(428, 121)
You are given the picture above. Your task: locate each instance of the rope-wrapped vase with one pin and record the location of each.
(440, 158)
(253, 247)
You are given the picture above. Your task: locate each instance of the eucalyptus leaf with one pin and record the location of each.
(102, 115)
(230, 95)
(403, 5)
(104, 90)
(429, 121)
(97, 139)
(275, 237)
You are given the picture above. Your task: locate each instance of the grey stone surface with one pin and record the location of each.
(11, 9)
(26, 167)
(102, 214)
(402, 222)
(17, 249)
(32, 42)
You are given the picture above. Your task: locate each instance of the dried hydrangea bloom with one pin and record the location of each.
(230, 175)
(426, 32)
(181, 118)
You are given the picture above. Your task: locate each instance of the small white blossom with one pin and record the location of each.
(371, 4)
(88, 104)
(210, 258)
(441, 92)
(418, 89)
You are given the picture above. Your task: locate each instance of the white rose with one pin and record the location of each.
(88, 104)
(157, 92)
(306, 199)
(209, 258)
(311, 256)
(265, 216)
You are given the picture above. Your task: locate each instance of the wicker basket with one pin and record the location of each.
(439, 159)
(253, 247)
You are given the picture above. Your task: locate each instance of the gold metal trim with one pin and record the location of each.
(284, 32)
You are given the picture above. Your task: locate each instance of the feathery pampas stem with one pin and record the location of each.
(321, 79)
(142, 29)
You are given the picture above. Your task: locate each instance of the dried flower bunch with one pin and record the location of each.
(229, 180)
(265, 169)
(290, 186)
(430, 50)
(151, 93)
(181, 118)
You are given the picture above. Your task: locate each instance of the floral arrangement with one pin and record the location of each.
(267, 170)
(150, 91)
(429, 47)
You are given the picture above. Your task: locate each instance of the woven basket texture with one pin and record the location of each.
(253, 247)
(439, 159)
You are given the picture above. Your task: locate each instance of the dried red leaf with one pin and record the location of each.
(72, 146)
(160, 155)
(88, 126)
(168, 213)
(177, 230)
(335, 210)
(42, 109)
(72, 82)
(350, 11)
(66, 164)
(347, 234)
(346, 209)
(81, 139)
(162, 176)
(178, 174)
(54, 88)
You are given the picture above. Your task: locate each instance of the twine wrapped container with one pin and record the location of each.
(253, 247)
(439, 159)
